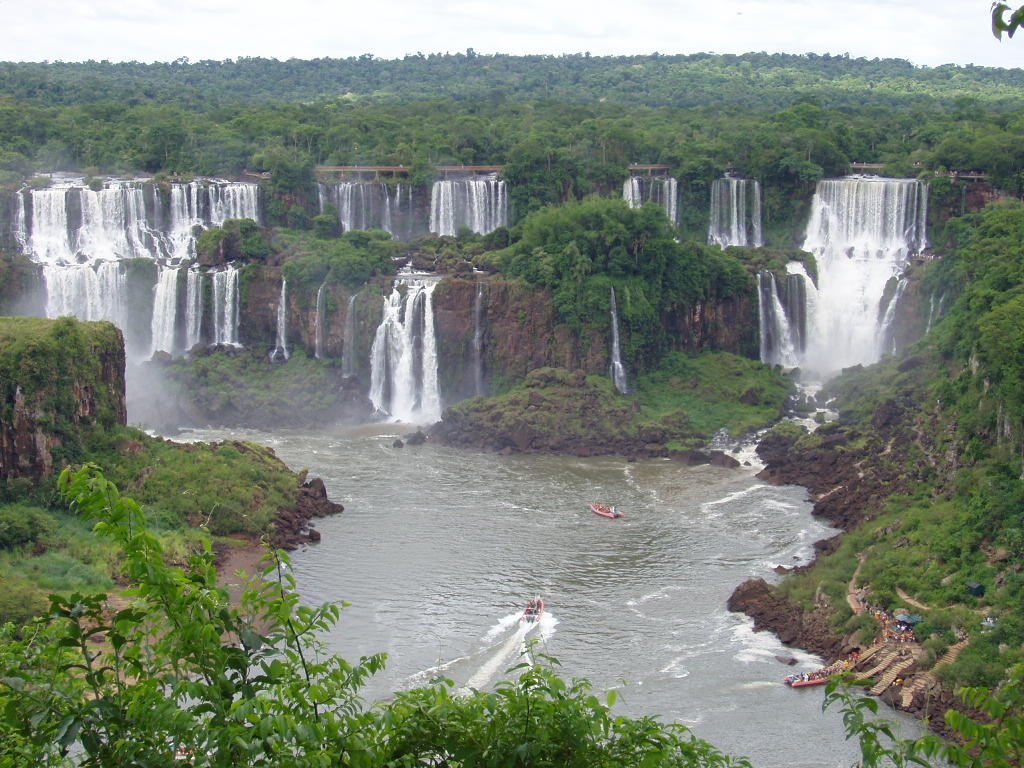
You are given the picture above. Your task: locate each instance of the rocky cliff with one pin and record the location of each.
(59, 381)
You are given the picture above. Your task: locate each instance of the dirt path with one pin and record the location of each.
(911, 601)
(853, 592)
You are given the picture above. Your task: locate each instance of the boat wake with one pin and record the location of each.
(508, 652)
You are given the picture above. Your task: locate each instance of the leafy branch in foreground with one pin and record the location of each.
(175, 670)
(993, 738)
(179, 668)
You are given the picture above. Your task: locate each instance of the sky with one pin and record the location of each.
(925, 32)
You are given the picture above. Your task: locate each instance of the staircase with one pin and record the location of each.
(890, 676)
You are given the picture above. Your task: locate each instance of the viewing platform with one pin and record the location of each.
(376, 171)
(362, 171)
(650, 169)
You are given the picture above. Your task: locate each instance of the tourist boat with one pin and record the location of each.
(799, 681)
(534, 610)
(606, 510)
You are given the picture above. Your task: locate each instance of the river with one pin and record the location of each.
(439, 549)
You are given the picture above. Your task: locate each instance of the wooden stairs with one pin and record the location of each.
(891, 674)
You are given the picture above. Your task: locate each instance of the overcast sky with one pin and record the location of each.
(927, 32)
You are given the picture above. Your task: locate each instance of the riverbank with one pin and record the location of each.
(849, 480)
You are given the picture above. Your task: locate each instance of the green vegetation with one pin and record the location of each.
(580, 251)
(709, 392)
(245, 388)
(954, 508)
(349, 260)
(678, 407)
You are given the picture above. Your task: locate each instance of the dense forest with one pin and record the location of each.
(785, 120)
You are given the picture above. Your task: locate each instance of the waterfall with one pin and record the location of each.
(165, 305)
(20, 221)
(480, 203)
(232, 200)
(280, 350)
(403, 359)
(631, 192)
(478, 339)
(886, 328)
(934, 311)
(363, 205)
(348, 350)
(735, 213)
(618, 371)
(225, 306)
(179, 242)
(318, 324)
(193, 307)
(637, 190)
(86, 291)
(863, 232)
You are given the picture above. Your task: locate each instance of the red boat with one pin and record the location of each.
(798, 681)
(534, 610)
(606, 510)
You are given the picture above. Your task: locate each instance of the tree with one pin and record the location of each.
(1000, 23)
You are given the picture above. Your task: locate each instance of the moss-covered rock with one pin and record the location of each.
(60, 381)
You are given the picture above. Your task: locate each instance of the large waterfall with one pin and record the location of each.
(87, 291)
(863, 233)
(637, 190)
(479, 202)
(82, 233)
(735, 213)
(403, 360)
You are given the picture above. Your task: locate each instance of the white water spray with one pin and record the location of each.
(403, 359)
(165, 306)
(735, 213)
(618, 370)
(863, 232)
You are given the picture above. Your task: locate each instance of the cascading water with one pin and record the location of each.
(403, 359)
(193, 307)
(863, 232)
(165, 305)
(618, 370)
(80, 234)
(225, 306)
(318, 324)
(348, 351)
(480, 203)
(782, 318)
(478, 340)
(232, 200)
(735, 213)
(280, 350)
(637, 190)
(89, 292)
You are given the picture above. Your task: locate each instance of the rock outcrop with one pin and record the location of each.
(292, 527)
(59, 381)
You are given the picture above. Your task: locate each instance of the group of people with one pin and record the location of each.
(892, 631)
(842, 665)
(534, 607)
